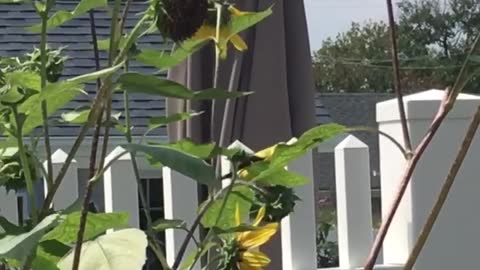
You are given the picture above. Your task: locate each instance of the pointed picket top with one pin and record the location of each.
(239, 145)
(60, 156)
(424, 105)
(351, 142)
(116, 152)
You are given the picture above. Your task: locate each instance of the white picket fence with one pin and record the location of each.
(353, 195)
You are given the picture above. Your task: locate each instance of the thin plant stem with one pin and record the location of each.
(397, 77)
(385, 135)
(445, 107)
(228, 189)
(90, 185)
(412, 164)
(95, 111)
(141, 192)
(26, 166)
(216, 73)
(203, 210)
(43, 73)
(442, 197)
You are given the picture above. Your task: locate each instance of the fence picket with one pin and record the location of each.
(354, 216)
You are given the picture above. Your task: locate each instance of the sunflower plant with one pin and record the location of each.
(238, 218)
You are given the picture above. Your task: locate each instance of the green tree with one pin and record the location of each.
(433, 38)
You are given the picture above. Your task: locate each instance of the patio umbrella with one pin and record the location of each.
(277, 68)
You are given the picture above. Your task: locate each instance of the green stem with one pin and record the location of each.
(43, 73)
(89, 189)
(146, 207)
(26, 166)
(228, 190)
(96, 110)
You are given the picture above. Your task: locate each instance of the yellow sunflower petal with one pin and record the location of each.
(236, 12)
(254, 259)
(205, 32)
(244, 266)
(266, 153)
(238, 43)
(260, 216)
(257, 237)
(238, 219)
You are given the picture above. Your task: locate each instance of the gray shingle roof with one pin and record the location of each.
(75, 34)
(356, 109)
(15, 41)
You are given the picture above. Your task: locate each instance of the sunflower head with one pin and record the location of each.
(180, 19)
(238, 252)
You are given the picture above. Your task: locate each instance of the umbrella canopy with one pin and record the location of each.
(276, 67)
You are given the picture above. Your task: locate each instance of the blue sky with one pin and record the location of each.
(326, 18)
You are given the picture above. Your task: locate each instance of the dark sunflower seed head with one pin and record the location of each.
(179, 20)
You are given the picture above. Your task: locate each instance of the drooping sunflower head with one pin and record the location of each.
(238, 252)
(180, 19)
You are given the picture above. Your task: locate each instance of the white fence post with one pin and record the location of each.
(453, 242)
(9, 205)
(299, 249)
(354, 209)
(180, 202)
(67, 192)
(120, 187)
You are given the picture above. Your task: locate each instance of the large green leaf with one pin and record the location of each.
(120, 250)
(25, 79)
(19, 247)
(149, 84)
(202, 151)
(62, 16)
(156, 122)
(241, 196)
(177, 160)
(280, 177)
(42, 262)
(95, 75)
(57, 95)
(97, 224)
(163, 60)
(241, 23)
(50, 253)
(8, 228)
(286, 153)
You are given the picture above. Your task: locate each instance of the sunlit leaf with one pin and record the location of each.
(120, 250)
(57, 95)
(19, 247)
(241, 196)
(25, 79)
(76, 117)
(280, 177)
(62, 16)
(66, 232)
(177, 160)
(283, 154)
(249, 19)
